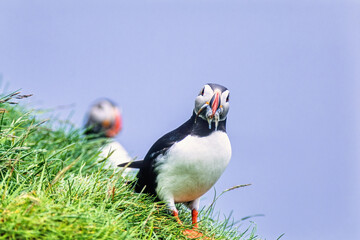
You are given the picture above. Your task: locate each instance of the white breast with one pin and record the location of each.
(192, 166)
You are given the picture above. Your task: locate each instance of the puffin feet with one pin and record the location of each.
(176, 215)
(193, 234)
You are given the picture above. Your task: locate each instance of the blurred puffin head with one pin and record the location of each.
(103, 118)
(212, 103)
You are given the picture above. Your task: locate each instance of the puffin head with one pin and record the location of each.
(104, 118)
(212, 103)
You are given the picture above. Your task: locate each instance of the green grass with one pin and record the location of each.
(53, 186)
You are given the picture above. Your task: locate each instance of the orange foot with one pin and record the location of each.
(193, 234)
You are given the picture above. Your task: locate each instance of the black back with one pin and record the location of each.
(147, 174)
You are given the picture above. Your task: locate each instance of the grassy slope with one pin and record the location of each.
(52, 186)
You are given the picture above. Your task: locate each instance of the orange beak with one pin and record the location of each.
(117, 126)
(215, 103)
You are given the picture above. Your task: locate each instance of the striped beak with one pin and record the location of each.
(215, 103)
(115, 127)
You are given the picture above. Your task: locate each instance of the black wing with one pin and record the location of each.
(147, 175)
(134, 164)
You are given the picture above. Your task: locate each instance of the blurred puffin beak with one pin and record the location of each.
(116, 126)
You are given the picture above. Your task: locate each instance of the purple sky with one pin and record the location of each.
(292, 67)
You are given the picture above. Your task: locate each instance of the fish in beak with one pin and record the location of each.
(213, 110)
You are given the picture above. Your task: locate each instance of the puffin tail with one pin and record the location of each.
(134, 164)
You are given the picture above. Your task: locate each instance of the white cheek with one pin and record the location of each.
(225, 111)
(199, 101)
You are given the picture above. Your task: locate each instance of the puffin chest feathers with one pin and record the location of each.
(192, 166)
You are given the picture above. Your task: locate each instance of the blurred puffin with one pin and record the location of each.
(185, 163)
(104, 120)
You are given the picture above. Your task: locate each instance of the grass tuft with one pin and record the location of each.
(53, 186)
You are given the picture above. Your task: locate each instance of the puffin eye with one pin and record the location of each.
(202, 92)
(227, 99)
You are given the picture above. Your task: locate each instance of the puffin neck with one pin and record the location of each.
(200, 127)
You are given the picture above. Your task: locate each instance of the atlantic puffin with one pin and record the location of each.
(104, 120)
(185, 163)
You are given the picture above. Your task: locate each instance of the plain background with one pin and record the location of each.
(292, 67)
